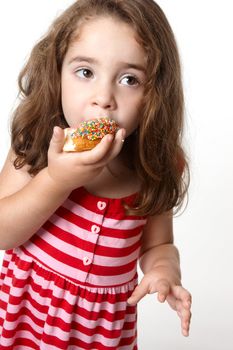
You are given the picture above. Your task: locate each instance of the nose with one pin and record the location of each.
(104, 97)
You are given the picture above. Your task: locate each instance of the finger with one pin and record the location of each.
(185, 321)
(185, 317)
(116, 145)
(57, 140)
(183, 295)
(98, 152)
(163, 289)
(187, 301)
(171, 301)
(139, 292)
(113, 150)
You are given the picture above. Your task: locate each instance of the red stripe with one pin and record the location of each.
(86, 225)
(21, 342)
(74, 218)
(65, 285)
(31, 293)
(116, 252)
(80, 243)
(123, 234)
(112, 270)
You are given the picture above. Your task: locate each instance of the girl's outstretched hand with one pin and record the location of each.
(69, 170)
(168, 289)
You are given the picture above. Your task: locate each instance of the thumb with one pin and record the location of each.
(139, 292)
(57, 140)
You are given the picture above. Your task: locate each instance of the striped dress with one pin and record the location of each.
(67, 287)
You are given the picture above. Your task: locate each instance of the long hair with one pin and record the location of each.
(159, 160)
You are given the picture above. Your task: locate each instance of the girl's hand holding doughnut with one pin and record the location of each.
(70, 170)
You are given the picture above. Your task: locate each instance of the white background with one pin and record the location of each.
(203, 232)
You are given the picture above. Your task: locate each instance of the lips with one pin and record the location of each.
(102, 116)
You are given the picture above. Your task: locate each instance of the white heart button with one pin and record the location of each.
(86, 260)
(101, 205)
(95, 229)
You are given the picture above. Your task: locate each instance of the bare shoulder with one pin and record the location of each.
(12, 180)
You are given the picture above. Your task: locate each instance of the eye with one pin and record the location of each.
(84, 73)
(130, 80)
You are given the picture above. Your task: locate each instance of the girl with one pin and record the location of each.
(74, 225)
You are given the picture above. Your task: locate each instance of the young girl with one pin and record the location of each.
(74, 225)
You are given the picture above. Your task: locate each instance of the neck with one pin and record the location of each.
(116, 180)
(122, 165)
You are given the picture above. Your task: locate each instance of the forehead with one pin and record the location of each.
(109, 36)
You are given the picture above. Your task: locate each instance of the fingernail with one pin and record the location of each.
(109, 137)
(123, 133)
(56, 130)
(162, 297)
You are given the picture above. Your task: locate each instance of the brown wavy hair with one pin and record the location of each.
(159, 159)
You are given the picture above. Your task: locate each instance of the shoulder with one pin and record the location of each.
(12, 180)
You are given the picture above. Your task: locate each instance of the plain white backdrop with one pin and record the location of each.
(203, 233)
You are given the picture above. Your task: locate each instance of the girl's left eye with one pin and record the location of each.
(130, 80)
(84, 73)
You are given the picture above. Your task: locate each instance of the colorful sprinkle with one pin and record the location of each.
(95, 128)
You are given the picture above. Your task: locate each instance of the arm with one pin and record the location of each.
(26, 203)
(164, 256)
(157, 248)
(159, 261)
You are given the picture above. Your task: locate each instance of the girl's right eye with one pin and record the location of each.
(84, 73)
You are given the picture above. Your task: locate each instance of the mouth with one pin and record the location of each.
(101, 116)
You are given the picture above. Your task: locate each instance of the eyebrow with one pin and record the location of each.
(92, 60)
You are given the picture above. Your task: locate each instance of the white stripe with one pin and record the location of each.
(7, 257)
(62, 294)
(21, 274)
(83, 212)
(61, 245)
(92, 237)
(98, 219)
(115, 261)
(20, 334)
(110, 280)
(123, 224)
(109, 242)
(75, 273)
(76, 252)
(73, 229)
(44, 346)
(57, 265)
(4, 270)
(62, 313)
(5, 296)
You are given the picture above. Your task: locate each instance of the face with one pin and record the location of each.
(103, 74)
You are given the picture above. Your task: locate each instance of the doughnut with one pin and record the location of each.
(88, 134)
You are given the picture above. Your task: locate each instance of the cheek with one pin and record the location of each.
(133, 105)
(132, 115)
(68, 99)
(129, 120)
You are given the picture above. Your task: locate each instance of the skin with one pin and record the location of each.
(103, 86)
(92, 89)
